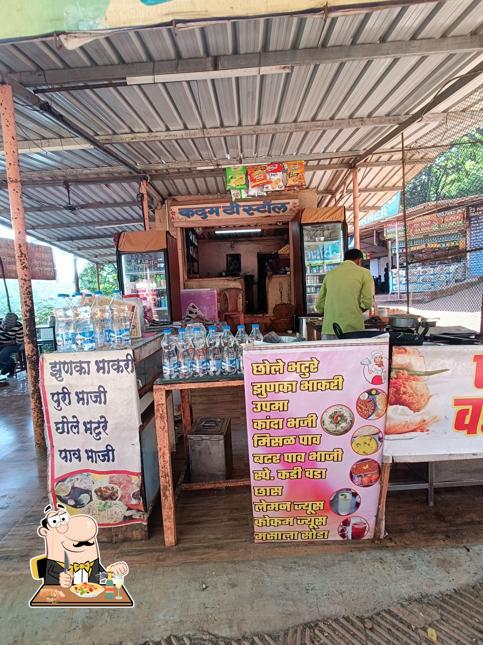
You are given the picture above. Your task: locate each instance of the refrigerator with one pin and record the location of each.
(148, 269)
(323, 247)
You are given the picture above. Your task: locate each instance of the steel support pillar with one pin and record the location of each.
(7, 118)
(355, 203)
(76, 277)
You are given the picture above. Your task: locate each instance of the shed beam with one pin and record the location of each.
(378, 189)
(58, 227)
(78, 238)
(75, 143)
(96, 247)
(112, 174)
(58, 208)
(245, 64)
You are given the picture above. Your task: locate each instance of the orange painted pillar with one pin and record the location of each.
(7, 118)
(143, 189)
(355, 203)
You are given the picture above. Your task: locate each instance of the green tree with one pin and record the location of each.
(454, 173)
(107, 278)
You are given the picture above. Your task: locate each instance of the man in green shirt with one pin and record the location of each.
(346, 293)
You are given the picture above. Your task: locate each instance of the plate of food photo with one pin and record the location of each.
(87, 589)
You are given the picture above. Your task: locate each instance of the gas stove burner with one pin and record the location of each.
(405, 337)
(400, 336)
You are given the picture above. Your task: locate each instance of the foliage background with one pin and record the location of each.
(458, 172)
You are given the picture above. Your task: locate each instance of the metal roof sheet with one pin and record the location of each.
(353, 89)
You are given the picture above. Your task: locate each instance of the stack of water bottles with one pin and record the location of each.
(85, 322)
(196, 353)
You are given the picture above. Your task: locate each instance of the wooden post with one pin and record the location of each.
(14, 185)
(355, 203)
(98, 277)
(381, 508)
(183, 267)
(186, 417)
(143, 189)
(165, 469)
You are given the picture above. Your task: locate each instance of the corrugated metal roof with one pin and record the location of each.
(351, 89)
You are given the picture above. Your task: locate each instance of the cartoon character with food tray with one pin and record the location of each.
(70, 567)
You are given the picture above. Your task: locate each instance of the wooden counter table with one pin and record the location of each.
(162, 391)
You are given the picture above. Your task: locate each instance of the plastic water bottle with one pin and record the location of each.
(121, 323)
(184, 355)
(229, 356)
(169, 358)
(256, 335)
(65, 334)
(85, 330)
(211, 336)
(200, 355)
(241, 338)
(101, 317)
(215, 355)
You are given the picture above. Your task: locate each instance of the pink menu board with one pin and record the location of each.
(316, 415)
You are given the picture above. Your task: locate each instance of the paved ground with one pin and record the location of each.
(240, 599)
(451, 619)
(350, 597)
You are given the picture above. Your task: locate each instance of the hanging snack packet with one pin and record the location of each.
(275, 176)
(237, 194)
(257, 177)
(236, 178)
(295, 174)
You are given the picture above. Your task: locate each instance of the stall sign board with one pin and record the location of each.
(435, 404)
(41, 260)
(315, 421)
(223, 214)
(429, 225)
(92, 419)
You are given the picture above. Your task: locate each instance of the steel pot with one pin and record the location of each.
(405, 321)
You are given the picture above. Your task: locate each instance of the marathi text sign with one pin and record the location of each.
(225, 213)
(315, 419)
(42, 265)
(92, 420)
(435, 403)
(428, 225)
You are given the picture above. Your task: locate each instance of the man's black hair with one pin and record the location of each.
(46, 510)
(353, 254)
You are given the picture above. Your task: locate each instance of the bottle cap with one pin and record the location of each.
(211, 328)
(240, 326)
(98, 293)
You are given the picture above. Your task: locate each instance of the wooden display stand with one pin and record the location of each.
(162, 391)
